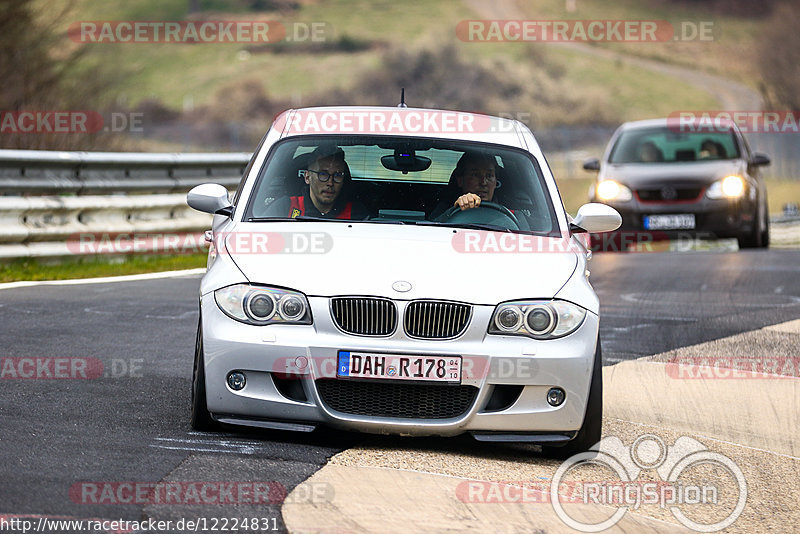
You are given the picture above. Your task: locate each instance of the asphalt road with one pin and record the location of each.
(653, 302)
(60, 439)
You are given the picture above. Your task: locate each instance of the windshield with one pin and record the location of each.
(664, 145)
(402, 180)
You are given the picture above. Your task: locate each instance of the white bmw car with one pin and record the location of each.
(400, 271)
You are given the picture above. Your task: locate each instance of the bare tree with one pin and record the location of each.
(779, 57)
(39, 75)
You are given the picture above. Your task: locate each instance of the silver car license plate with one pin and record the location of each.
(399, 367)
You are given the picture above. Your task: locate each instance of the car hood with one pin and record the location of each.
(700, 172)
(342, 258)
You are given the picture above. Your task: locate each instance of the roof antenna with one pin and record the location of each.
(402, 98)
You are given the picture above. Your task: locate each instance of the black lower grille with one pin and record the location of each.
(669, 194)
(382, 399)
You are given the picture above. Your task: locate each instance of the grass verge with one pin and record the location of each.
(94, 267)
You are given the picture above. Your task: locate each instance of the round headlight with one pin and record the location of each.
(732, 186)
(292, 307)
(612, 190)
(260, 306)
(508, 319)
(540, 320)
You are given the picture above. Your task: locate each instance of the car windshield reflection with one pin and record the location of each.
(403, 180)
(665, 145)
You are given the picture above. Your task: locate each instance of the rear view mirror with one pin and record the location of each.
(210, 198)
(595, 218)
(591, 164)
(405, 161)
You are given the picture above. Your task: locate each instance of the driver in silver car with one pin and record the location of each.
(477, 179)
(475, 176)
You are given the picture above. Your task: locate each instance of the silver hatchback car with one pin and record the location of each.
(400, 271)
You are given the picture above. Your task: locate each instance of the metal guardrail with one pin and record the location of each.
(42, 172)
(50, 199)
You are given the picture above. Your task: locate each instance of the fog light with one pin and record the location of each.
(236, 380)
(556, 396)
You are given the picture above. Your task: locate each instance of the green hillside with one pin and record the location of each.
(358, 33)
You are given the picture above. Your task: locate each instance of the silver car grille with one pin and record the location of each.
(364, 316)
(433, 319)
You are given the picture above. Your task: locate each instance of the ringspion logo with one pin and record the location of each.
(683, 484)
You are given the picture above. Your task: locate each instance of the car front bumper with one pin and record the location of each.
(269, 355)
(714, 219)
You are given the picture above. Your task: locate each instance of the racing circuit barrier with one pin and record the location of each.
(48, 197)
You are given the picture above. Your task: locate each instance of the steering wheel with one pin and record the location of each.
(484, 204)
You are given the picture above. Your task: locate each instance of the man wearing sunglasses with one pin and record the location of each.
(327, 177)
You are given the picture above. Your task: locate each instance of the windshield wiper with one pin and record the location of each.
(385, 221)
(298, 218)
(469, 226)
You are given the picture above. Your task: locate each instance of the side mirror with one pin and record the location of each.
(591, 164)
(760, 159)
(210, 198)
(595, 217)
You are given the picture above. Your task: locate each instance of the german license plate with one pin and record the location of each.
(399, 367)
(683, 221)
